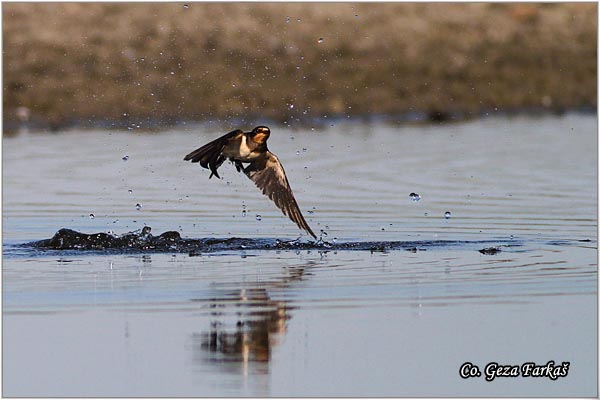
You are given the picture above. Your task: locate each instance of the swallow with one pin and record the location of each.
(263, 168)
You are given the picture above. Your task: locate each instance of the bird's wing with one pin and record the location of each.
(268, 175)
(209, 155)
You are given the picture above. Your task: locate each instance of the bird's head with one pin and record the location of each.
(260, 134)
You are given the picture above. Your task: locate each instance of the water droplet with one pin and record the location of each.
(125, 158)
(415, 196)
(92, 216)
(304, 149)
(186, 6)
(298, 20)
(138, 206)
(287, 20)
(298, 153)
(258, 217)
(244, 212)
(447, 214)
(320, 40)
(291, 106)
(130, 191)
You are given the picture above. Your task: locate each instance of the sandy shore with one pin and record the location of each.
(138, 65)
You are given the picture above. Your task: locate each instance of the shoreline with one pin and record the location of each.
(410, 118)
(68, 64)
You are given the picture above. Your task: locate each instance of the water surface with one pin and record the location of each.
(306, 322)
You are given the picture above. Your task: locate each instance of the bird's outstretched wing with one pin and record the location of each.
(268, 175)
(209, 156)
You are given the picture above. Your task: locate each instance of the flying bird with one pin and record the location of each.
(264, 168)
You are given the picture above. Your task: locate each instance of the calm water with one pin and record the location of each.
(306, 323)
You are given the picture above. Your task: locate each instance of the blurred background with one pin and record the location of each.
(145, 65)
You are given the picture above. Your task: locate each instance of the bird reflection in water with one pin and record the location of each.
(246, 325)
(260, 322)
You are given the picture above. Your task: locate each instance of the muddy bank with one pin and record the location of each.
(142, 65)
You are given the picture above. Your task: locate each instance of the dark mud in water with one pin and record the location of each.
(171, 241)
